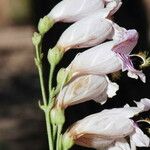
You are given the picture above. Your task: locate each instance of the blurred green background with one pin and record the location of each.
(21, 124)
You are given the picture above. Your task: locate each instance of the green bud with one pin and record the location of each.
(54, 56)
(61, 75)
(67, 142)
(36, 39)
(64, 74)
(45, 24)
(57, 116)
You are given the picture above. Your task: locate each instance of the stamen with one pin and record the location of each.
(147, 120)
(144, 59)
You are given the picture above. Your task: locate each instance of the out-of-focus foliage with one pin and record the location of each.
(14, 11)
(21, 10)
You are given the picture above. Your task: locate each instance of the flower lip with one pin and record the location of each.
(126, 41)
(124, 44)
(127, 64)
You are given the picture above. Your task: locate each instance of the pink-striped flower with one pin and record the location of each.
(108, 57)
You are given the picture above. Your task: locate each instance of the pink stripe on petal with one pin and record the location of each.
(126, 43)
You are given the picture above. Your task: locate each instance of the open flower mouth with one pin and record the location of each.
(129, 65)
(137, 61)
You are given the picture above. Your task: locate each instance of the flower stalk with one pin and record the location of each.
(37, 41)
(86, 77)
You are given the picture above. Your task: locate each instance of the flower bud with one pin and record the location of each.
(36, 39)
(108, 57)
(57, 116)
(61, 75)
(45, 24)
(54, 56)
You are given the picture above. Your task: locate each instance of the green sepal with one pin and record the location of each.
(54, 56)
(45, 24)
(67, 142)
(57, 116)
(36, 39)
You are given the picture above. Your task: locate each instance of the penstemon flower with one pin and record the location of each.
(108, 57)
(85, 88)
(109, 129)
(75, 10)
(87, 32)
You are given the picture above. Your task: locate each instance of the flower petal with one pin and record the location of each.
(128, 65)
(120, 144)
(87, 32)
(97, 60)
(113, 6)
(126, 42)
(102, 98)
(74, 10)
(112, 88)
(92, 141)
(135, 74)
(81, 89)
(140, 139)
(144, 104)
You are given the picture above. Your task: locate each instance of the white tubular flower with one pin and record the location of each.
(108, 57)
(75, 10)
(109, 128)
(87, 32)
(85, 88)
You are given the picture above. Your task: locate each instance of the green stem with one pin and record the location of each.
(54, 131)
(40, 70)
(47, 109)
(58, 143)
(50, 80)
(49, 132)
(42, 86)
